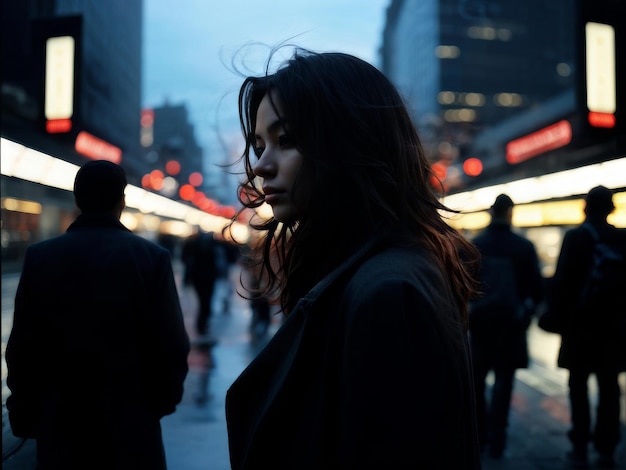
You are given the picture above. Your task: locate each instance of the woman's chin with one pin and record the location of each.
(284, 214)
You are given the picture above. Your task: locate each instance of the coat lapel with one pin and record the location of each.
(254, 391)
(252, 394)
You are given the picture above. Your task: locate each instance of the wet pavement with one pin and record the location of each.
(195, 435)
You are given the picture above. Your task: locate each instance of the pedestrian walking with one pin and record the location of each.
(199, 256)
(592, 327)
(97, 354)
(228, 256)
(512, 287)
(371, 367)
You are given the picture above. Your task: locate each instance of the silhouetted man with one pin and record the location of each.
(98, 350)
(512, 286)
(593, 334)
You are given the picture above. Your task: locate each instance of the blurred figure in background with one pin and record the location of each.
(167, 241)
(512, 286)
(199, 256)
(260, 304)
(593, 330)
(371, 367)
(228, 255)
(261, 315)
(98, 350)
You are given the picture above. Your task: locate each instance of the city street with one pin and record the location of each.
(467, 101)
(195, 435)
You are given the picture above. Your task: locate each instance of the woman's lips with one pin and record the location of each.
(272, 194)
(271, 198)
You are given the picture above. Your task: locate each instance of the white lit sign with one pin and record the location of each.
(600, 61)
(59, 101)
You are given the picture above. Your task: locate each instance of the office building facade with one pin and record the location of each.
(467, 65)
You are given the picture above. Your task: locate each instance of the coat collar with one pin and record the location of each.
(91, 220)
(347, 267)
(499, 224)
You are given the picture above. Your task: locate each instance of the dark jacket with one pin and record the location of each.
(503, 343)
(371, 370)
(199, 255)
(98, 350)
(590, 338)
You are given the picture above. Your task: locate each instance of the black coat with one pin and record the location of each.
(98, 350)
(502, 343)
(370, 371)
(590, 338)
(199, 255)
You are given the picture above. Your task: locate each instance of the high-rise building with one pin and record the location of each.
(466, 65)
(491, 57)
(72, 67)
(71, 91)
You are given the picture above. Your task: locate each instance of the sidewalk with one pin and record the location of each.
(195, 435)
(539, 421)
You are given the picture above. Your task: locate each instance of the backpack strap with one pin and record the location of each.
(592, 230)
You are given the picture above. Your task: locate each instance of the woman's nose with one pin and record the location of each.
(264, 167)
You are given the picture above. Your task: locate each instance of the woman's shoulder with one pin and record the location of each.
(394, 266)
(396, 282)
(398, 260)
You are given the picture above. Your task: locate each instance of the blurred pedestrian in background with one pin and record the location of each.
(199, 256)
(167, 241)
(371, 367)
(98, 350)
(228, 255)
(593, 330)
(260, 301)
(512, 287)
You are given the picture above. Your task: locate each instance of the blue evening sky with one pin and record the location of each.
(189, 46)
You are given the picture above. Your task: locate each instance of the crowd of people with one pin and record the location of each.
(368, 276)
(593, 331)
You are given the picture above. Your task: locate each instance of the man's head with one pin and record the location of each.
(599, 201)
(501, 208)
(99, 187)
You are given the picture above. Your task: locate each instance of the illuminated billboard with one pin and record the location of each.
(549, 138)
(59, 83)
(600, 74)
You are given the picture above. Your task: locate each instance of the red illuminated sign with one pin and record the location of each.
(58, 126)
(473, 167)
(549, 138)
(172, 167)
(186, 192)
(601, 119)
(97, 149)
(439, 172)
(147, 118)
(195, 179)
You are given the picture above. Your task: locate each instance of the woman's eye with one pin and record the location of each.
(285, 140)
(258, 150)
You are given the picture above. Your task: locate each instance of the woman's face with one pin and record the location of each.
(279, 161)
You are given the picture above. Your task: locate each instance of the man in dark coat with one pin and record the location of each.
(593, 338)
(98, 349)
(512, 286)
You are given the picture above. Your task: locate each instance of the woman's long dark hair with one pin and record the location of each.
(364, 174)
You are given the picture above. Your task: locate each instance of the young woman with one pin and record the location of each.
(370, 368)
